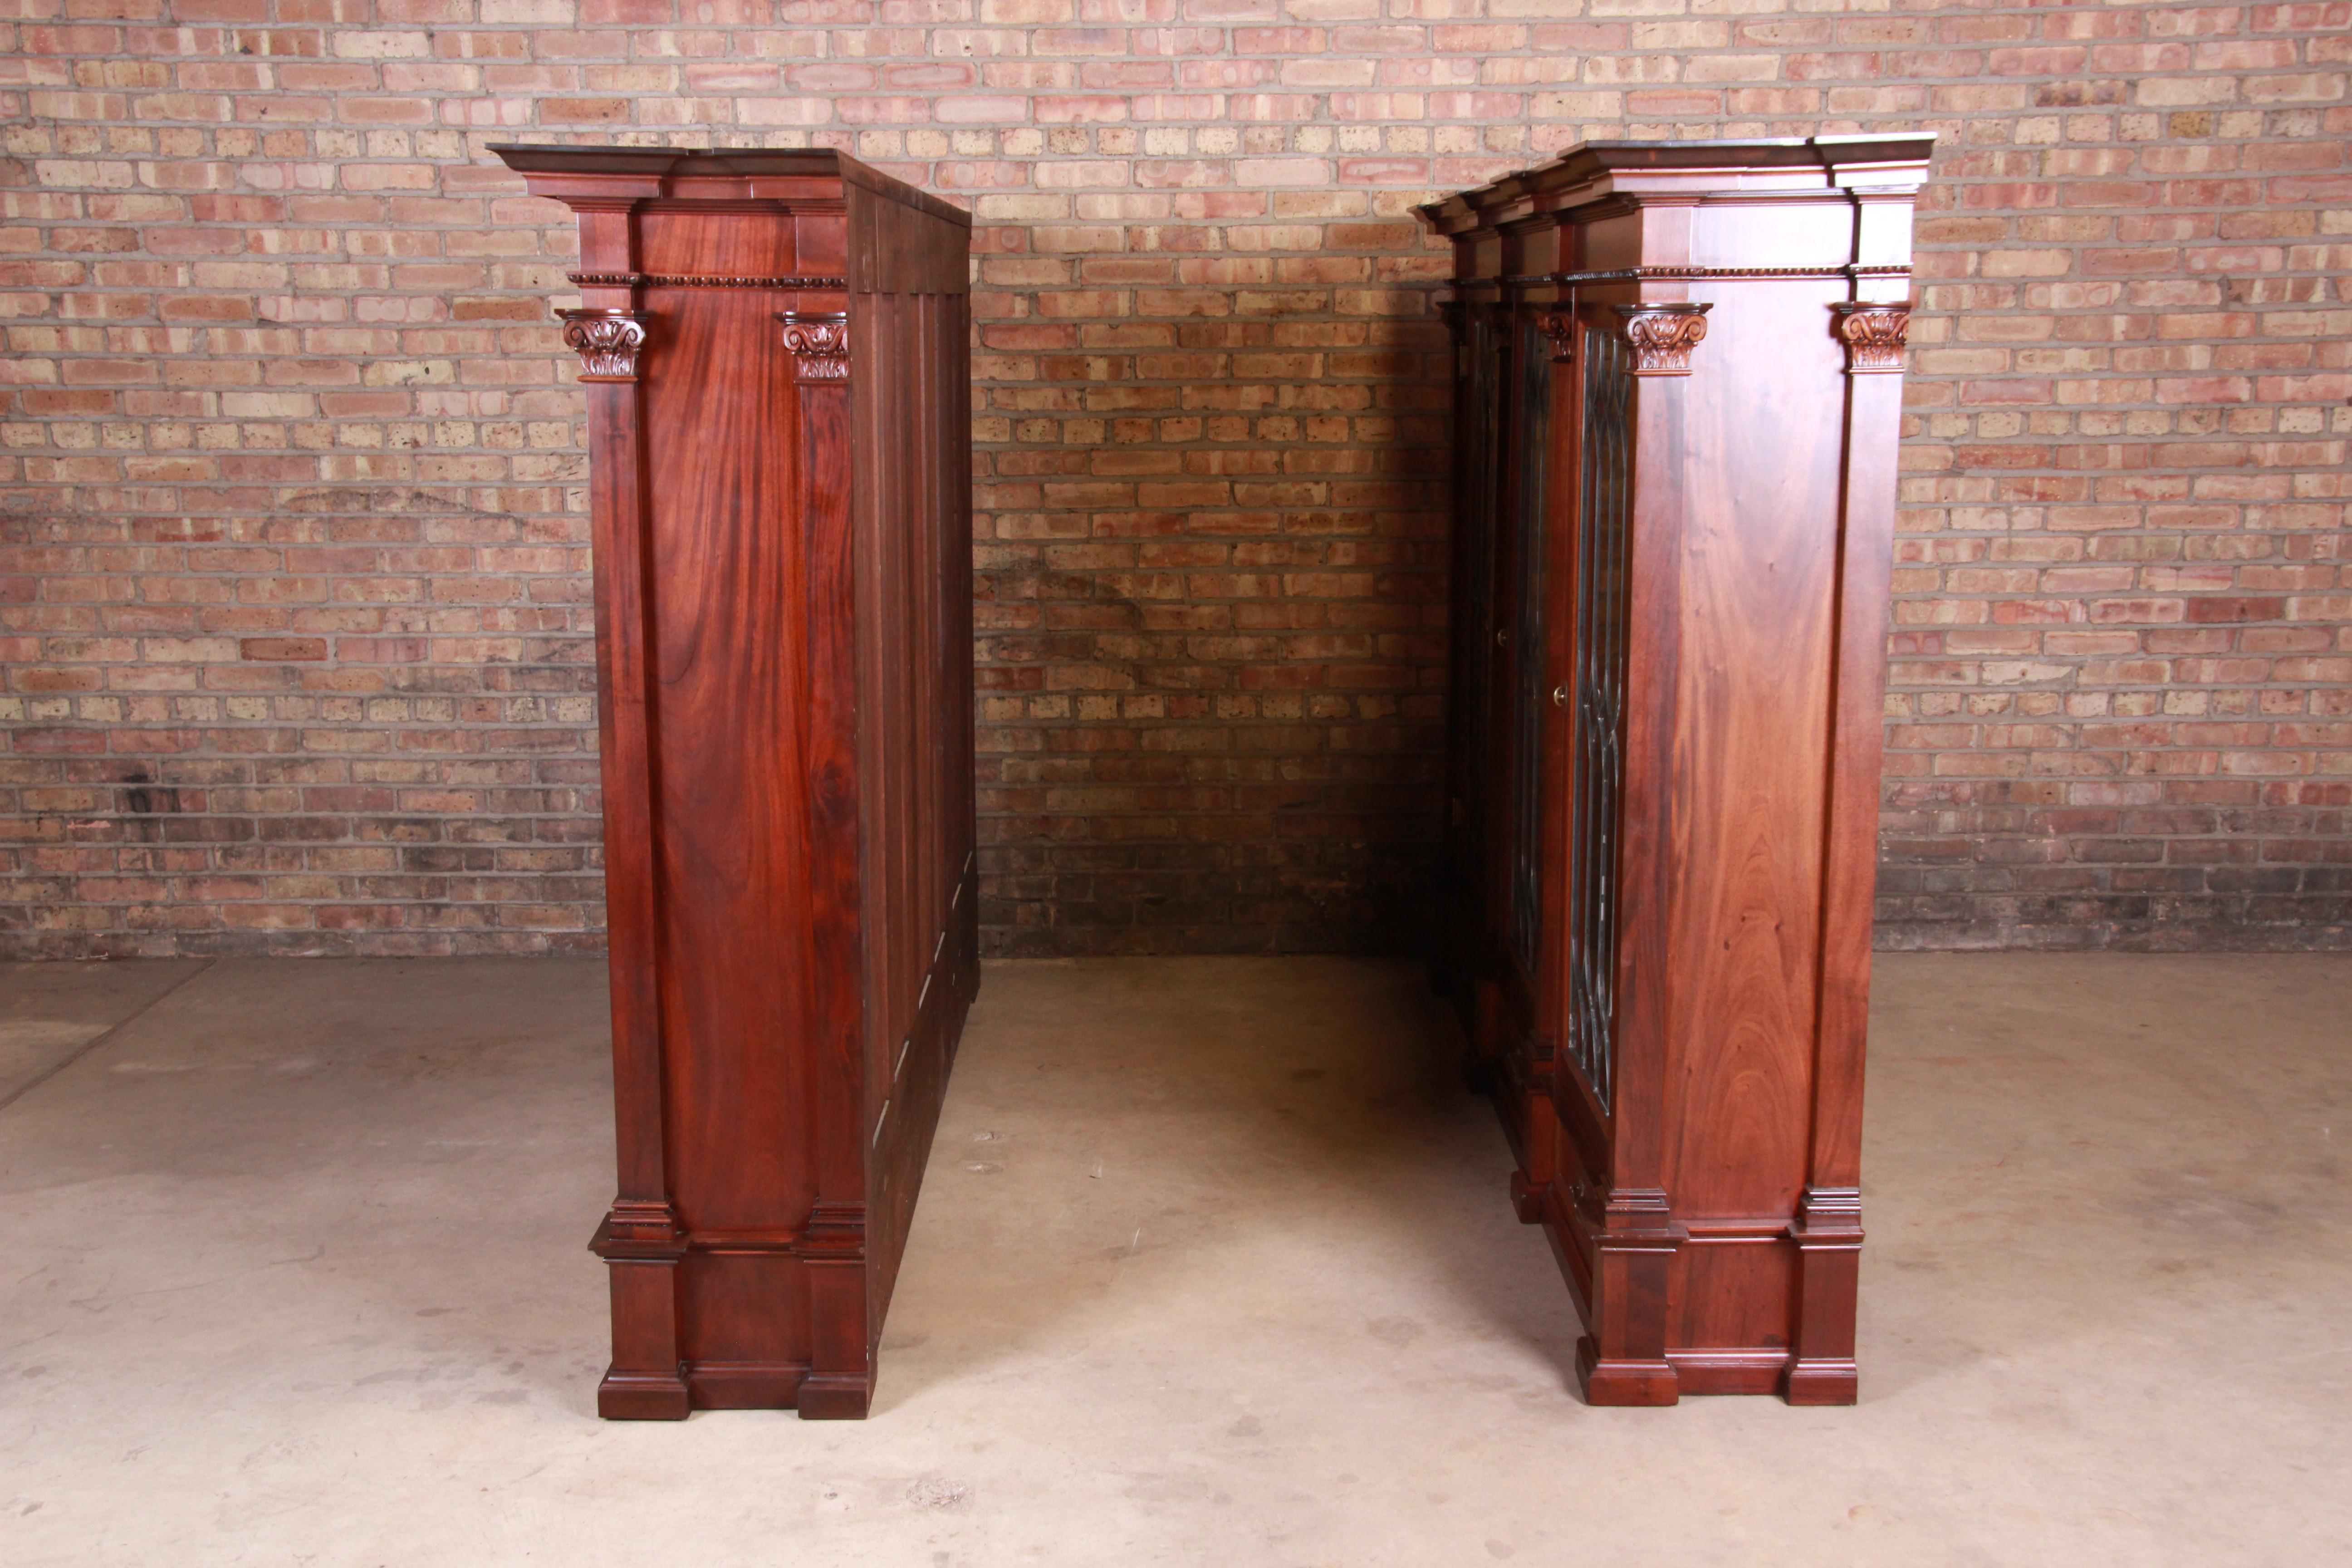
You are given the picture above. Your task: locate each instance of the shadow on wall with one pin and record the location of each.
(1211, 535)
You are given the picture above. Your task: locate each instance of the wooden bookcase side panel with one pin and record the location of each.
(783, 587)
(1701, 1193)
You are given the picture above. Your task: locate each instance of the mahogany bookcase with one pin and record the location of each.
(1679, 393)
(780, 477)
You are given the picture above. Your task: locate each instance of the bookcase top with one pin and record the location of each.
(671, 172)
(1594, 171)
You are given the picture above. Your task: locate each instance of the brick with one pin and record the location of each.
(303, 451)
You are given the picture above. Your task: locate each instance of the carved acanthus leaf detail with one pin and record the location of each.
(819, 344)
(607, 341)
(1663, 336)
(1559, 326)
(1874, 335)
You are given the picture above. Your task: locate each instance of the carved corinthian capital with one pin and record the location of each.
(819, 345)
(1873, 335)
(1663, 336)
(606, 340)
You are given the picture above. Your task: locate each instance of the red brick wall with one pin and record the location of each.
(291, 558)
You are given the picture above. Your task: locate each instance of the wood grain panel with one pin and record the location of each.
(1733, 1295)
(687, 243)
(1764, 439)
(745, 1309)
(727, 661)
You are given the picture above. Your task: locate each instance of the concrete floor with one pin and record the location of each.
(1214, 1266)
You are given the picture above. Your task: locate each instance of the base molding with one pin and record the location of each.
(643, 1397)
(1742, 1370)
(1700, 1372)
(744, 1385)
(1625, 1383)
(734, 1385)
(1824, 1381)
(835, 1398)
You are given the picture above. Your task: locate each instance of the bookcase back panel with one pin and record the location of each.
(914, 540)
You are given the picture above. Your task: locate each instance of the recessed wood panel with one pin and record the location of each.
(687, 243)
(729, 836)
(1734, 1295)
(742, 1309)
(1764, 427)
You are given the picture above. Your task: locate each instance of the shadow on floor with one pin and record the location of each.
(1227, 1149)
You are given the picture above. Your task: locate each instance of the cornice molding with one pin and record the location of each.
(1686, 274)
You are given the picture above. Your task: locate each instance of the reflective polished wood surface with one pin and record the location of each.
(1679, 398)
(774, 345)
